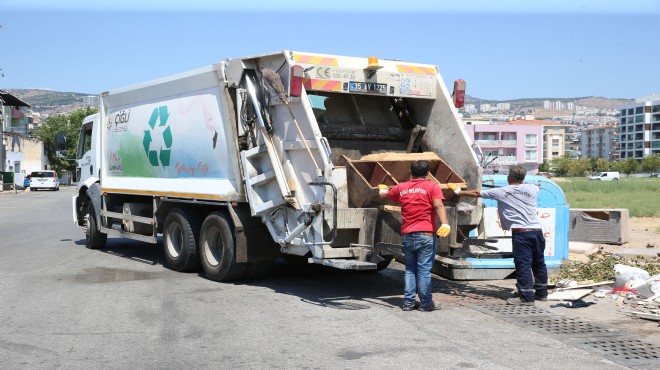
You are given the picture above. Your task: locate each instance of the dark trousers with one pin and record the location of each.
(531, 272)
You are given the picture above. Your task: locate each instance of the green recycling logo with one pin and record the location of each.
(159, 129)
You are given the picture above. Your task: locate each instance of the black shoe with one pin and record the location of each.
(409, 307)
(542, 298)
(432, 307)
(519, 302)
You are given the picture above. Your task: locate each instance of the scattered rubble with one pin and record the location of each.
(631, 279)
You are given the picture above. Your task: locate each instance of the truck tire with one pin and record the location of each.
(180, 235)
(94, 238)
(218, 250)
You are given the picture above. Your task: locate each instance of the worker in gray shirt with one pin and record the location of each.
(516, 205)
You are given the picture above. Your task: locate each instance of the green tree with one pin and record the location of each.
(67, 125)
(544, 167)
(561, 165)
(628, 166)
(601, 165)
(651, 163)
(579, 167)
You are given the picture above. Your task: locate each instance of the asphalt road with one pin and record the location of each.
(64, 306)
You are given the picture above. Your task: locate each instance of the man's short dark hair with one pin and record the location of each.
(517, 173)
(419, 168)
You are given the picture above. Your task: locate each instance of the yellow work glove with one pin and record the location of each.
(455, 188)
(382, 189)
(443, 230)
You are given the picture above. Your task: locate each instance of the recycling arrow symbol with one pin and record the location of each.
(161, 155)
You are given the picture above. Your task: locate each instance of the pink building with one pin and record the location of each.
(504, 145)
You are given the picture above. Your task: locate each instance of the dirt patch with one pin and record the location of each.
(644, 234)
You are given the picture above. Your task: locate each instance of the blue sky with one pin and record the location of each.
(503, 49)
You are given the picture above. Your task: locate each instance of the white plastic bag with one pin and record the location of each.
(624, 274)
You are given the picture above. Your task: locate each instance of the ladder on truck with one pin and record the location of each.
(286, 184)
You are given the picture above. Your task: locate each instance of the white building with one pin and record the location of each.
(639, 128)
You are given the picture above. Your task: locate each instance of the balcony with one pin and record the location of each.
(496, 143)
(505, 161)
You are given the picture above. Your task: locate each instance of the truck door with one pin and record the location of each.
(86, 156)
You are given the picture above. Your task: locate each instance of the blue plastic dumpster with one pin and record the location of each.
(554, 214)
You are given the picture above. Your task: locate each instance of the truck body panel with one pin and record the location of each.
(170, 137)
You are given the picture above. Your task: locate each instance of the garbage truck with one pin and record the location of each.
(233, 165)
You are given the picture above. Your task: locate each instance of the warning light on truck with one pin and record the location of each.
(297, 73)
(459, 93)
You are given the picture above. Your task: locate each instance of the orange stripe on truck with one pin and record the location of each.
(315, 59)
(415, 69)
(323, 85)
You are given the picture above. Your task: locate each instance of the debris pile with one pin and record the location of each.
(633, 282)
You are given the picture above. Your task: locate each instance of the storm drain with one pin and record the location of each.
(505, 312)
(623, 350)
(566, 326)
(603, 341)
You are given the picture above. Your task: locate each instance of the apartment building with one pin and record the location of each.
(639, 128)
(600, 142)
(501, 146)
(554, 136)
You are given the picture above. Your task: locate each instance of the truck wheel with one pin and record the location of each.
(217, 249)
(94, 238)
(180, 232)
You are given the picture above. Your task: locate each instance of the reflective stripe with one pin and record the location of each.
(415, 69)
(315, 59)
(324, 85)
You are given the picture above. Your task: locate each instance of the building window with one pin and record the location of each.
(623, 112)
(631, 111)
(530, 155)
(623, 129)
(639, 136)
(656, 108)
(639, 119)
(639, 110)
(531, 139)
(555, 143)
(555, 154)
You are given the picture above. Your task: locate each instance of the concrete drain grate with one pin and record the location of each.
(509, 312)
(623, 350)
(567, 326)
(602, 341)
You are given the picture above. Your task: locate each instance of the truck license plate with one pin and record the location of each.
(371, 87)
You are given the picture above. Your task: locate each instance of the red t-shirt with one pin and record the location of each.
(416, 198)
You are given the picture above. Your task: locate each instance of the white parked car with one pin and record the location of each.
(605, 176)
(44, 180)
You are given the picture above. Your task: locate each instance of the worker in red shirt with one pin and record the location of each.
(421, 201)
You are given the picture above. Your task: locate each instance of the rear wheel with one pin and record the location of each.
(218, 251)
(94, 238)
(180, 235)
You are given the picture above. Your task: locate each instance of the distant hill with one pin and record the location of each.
(54, 102)
(48, 101)
(525, 103)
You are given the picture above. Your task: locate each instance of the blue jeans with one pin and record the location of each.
(531, 272)
(419, 250)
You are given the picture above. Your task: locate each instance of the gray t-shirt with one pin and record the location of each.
(516, 205)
